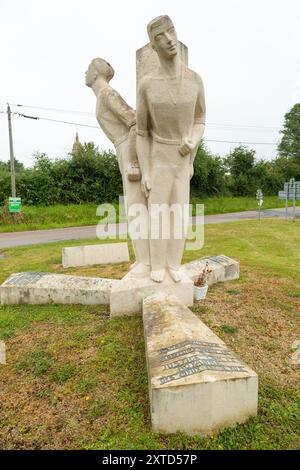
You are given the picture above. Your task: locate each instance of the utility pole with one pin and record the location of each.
(11, 152)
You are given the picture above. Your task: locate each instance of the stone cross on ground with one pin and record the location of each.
(123, 297)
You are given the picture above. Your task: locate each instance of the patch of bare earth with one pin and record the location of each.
(37, 412)
(111, 271)
(268, 322)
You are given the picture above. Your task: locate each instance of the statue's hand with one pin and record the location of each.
(146, 185)
(133, 171)
(186, 148)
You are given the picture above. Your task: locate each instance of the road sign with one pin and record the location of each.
(291, 192)
(291, 195)
(14, 204)
(289, 186)
(282, 194)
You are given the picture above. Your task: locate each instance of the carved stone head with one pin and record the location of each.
(98, 67)
(163, 37)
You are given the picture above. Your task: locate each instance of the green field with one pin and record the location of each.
(39, 217)
(75, 379)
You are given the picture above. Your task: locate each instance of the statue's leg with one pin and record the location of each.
(179, 220)
(138, 227)
(162, 176)
(134, 196)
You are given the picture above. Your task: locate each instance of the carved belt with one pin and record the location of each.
(162, 140)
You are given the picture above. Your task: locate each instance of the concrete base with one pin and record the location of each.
(45, 288)
(127, 296)
(196, 384)
(89, 255)
(223, 269)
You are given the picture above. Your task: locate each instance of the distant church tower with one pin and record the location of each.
(77, 145)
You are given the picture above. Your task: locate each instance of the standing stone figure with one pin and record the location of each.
(170, 126)
(117, 119)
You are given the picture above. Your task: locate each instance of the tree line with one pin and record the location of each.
(90, 175)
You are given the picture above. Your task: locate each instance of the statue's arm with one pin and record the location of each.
(199, 120)
(190, 145)
(143, 137)
(121, 109)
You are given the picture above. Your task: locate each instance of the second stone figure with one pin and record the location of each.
(117, 119)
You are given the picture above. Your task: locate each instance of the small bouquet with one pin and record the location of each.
(202, 278)
(200, 285)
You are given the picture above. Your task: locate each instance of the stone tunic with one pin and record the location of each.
(114, 115)
(168, 108)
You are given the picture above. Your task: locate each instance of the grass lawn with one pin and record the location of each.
(75, 379)
(39, 217)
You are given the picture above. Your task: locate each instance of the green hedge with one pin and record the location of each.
(93, 176)
(88, 176)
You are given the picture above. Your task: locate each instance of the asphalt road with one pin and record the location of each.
(13, 239)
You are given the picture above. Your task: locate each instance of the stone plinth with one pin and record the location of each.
(223, 269)
(45, 288)
(107, 253)
(196, 384)
(127, 296)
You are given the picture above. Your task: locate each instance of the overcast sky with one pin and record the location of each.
(247, 52)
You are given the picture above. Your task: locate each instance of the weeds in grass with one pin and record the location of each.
(63, 373)
(75, 379)
(230, 329)
(96, 409)
(87, 384)
(294, 293)
(6, 334)
(38, 362)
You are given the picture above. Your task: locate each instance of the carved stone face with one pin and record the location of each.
(90, 75)
(164, 39)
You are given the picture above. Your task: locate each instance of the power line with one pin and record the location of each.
(209, 124)
(241, 142)
(55, 120)
(26, 116)
(96, 127)
(247, 126)
(57, 110)
(68, 122)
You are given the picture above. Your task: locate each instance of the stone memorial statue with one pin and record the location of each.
(156, 146)
(117, 119)
(196, 384)
(170, 126)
